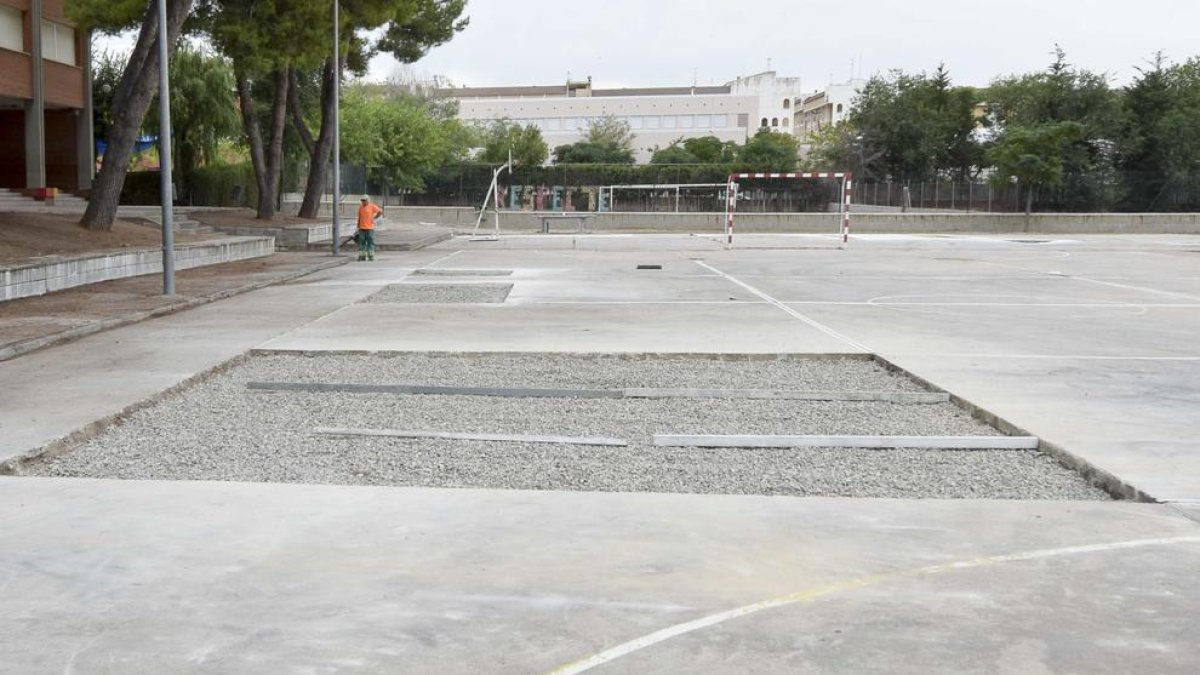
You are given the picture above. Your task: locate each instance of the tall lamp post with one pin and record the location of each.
(164, 162)
(337, 132)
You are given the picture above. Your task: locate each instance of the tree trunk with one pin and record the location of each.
(1028, 206)
(266, 160)
(139, 84)
(253, 134)
(267, 198)
(321, 149)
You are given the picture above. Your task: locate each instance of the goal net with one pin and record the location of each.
(663, 197)
(809, 192)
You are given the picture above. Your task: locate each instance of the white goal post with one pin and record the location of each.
(847, 183)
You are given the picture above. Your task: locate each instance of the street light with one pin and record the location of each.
(164, 162)
(337, 132)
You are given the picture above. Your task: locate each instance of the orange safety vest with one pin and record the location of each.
(366, 216)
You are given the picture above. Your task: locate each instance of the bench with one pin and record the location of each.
(580, 218)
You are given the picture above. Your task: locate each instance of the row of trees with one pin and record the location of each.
(1102, 147)
(281, 64)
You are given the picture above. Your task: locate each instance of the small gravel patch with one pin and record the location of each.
(441, 293)
(448, 272)
(219, 430)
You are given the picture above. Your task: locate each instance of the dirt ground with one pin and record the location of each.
(245, 218)
(31, 235)
(47, 315)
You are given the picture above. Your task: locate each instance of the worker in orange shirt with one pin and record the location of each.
(367, 213)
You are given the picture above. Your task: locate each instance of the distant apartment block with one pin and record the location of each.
(45, 98)
(658, 116)
(819, 111)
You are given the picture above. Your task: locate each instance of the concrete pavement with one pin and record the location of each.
(1087, 342)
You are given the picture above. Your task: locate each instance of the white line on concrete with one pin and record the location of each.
(925, 442)
(626, 648)
(455, 436)
(1130, 287)
(791, 312)
(1111, 284)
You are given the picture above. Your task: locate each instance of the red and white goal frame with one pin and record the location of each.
(846, 178)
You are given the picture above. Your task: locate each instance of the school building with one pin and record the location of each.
(45, 99)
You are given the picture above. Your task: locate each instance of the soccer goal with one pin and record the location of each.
(492, 196)
(819, 191)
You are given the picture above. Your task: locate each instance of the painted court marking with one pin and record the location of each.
(668, 633)
(791, 312)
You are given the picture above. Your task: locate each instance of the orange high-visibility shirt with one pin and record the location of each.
(366, 216)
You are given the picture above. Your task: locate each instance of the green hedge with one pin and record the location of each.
(224, 185)
(142, 188)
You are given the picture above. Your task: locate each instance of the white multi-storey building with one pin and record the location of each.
(658, 116)
(824, 109)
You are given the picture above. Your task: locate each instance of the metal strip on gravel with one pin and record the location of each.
(922, 442)
(646, 393)
(457, 436)
(502, 392)
(885, 396)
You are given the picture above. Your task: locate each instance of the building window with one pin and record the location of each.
(58, 43)
(668, 122)
(12, 29)
(651, 121)
(703, 122)
(685, 121)
(568, 123)
(785, 120)
(774, 121)
(839, 108)
(787, 102)
(763, 125)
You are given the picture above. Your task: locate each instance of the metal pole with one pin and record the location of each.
(164, 136)
(337, 132)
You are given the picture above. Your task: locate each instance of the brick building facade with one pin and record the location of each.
(45, 98)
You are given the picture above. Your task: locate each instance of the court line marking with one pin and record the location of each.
(1111, 284)
(670, 632)
(791, 312)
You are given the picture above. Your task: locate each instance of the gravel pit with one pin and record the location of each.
(220, 430)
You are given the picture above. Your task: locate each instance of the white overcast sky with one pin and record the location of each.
(672, 42)
(675, 42)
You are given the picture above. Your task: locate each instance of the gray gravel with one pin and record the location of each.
(450, 272)
(219, 430)
(590, 371)
(441, 293)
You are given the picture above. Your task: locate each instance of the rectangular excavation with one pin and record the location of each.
(465, 424)
(467, 293)
(448, 272)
